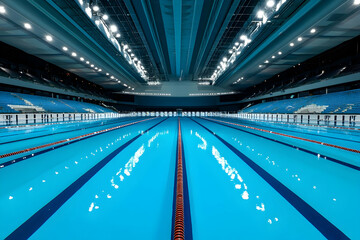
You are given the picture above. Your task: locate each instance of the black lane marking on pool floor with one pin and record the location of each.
(292, 146)
(30, 226)
(187, 213)
(20, 159)
(329, 230)
(297, 132)
(72, 130)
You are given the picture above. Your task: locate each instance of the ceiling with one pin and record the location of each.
(178, 44)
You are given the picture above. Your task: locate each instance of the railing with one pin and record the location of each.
(40, 118)
(336, 120)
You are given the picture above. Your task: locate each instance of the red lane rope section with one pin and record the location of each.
(179, 228)
(290, 136)
(70, 139)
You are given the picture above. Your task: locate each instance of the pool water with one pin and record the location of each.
(244, 180)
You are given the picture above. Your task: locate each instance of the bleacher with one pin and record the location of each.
(18, 103)
(347, 102)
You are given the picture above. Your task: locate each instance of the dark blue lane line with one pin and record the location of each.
(187, 213)
(292, 146)
(20, 159)
(329, 230)
(298, 132)
(72, 130)
(30, 226)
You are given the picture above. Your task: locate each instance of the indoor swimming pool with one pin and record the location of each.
(116, 178)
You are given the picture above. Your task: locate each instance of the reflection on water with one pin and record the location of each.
(125, 172)
(235, 178)
(203, 146)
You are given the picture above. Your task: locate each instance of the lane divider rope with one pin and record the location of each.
(290, 136)
(70, 139)
(179, 227)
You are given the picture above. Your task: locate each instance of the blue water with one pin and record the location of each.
(120, 184)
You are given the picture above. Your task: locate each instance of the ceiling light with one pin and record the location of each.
(267, 61)
(27, 25)
(105, 17)
(73, 54)
(270, 3)
(230, 51)
(48, 38)
(133, 55)
(260, 66)
(82, 59)
(113, 28)
(260, 14)
(279, 53)
(65, 48)
(96, 68)
(2, 10)
(243, 37)
(87, 62)
(292, 44)
(112, 77)
(92, 65)
(96, 8)
(300, 39)
(107, 74)
(118, 35)
(225, 59)
(356, 2)
(129, 50)
(100, 70)
(314, 30)
(236, 44)
(273, 57)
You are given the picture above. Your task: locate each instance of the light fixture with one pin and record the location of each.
(260, 14)
(273, 57)
(82, 59)
(92, 65)
(225, 59)
(260, 66)
(73, 54)
(96, 68)
(48, 38)
(87, 62)
(356, 2)
(314, 30)
(230, 51)
(100, 70)
(65, 48)
(299, 39)
(266, 61)
(270, 3)
(118, 35)
(129, 50)
(96, 8)
(279, 53)
(27, 25)
(243, 37)
(107, 74)
(112, 77)
(105, 17)
(292, 44)
(2, 10)
(236, 44)
(113, 28)
(132, 55)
